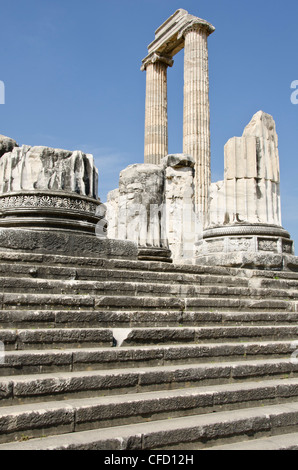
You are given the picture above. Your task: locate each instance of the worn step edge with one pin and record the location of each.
(58, 385)
(61, 337)
(102, 274)
(127, 318)
(43, 361)
(279, 442)
(181, 433)
(11, 285)
(14, 300)
(64, 260)
(78, 415)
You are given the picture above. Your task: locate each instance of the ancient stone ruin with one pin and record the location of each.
(175, 326)
(244, 215)
(173, 205)
(49, 203)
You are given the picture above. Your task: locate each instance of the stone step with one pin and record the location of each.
(183, 433)
(101, 274)
(188, 340)
(125, 265)
(123, 288)
(145, 266)
(279, 442)
(60, 417)
(126, 318)
(82, 384)
(41, 338)
(93, 302)
(56, 337)
(153, 335)
(275, 275)
(279, 283)
(49, 360)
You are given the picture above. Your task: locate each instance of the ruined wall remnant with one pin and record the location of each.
(154, 206)
(140, 200)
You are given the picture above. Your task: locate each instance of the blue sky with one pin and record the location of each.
(72, 78)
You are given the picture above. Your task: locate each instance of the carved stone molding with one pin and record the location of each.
(196, 24)
(157, 58)
(240, 244)
(267, 245)
(287, 248)
(253, 229)
(43, 200)
(44, 210)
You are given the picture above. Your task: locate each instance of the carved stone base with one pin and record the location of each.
(51, 241)
(243, 260)
(255, 246)
(47, 209)
(155, 254)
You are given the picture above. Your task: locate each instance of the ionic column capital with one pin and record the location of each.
(196, 25)
(155, 57)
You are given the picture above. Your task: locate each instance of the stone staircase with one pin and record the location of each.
(126, 355)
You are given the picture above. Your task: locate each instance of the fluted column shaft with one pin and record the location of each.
(196, 113)
(156, 112)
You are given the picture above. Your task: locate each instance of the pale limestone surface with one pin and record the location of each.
(156, 111)
(178, 31)
(244, 213)
(180, 216)
(154, 206)
(49, 204)
(250, 192)
(169, 39)
(140, 198)
(112, 212)
(196, 114)
(42, 168)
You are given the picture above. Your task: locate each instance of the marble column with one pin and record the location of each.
(196, 114)
(156, 108)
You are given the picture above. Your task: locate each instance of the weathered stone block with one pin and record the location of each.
(43, 168)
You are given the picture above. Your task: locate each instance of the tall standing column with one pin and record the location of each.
(156, 111)
(196, 117)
